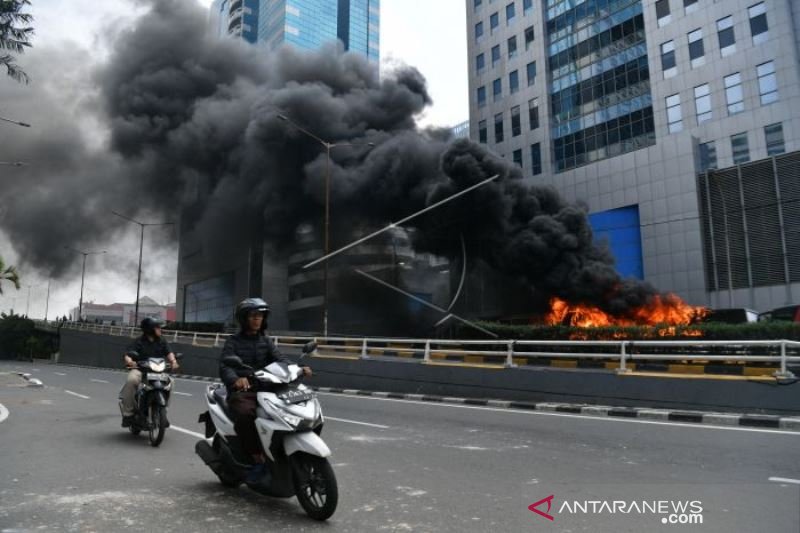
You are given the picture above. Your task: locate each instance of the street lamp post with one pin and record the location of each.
(83, 276)
(13, 164)
(16, 122)
(328, 147)
(142, 225)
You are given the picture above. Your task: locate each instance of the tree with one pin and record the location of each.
(15, 35)
(8, 273)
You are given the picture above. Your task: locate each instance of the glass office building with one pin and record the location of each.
(305, 24)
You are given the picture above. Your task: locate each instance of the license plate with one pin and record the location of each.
(296, 396)
(158, 377)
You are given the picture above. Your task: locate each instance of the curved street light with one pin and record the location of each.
(83, 275)
(16, 122)
(328, 147)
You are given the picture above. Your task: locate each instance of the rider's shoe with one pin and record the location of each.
(127, 421)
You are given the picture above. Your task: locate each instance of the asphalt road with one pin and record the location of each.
(66, 465)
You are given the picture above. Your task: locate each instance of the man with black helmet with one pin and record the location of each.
(150, 344)
(256, 350)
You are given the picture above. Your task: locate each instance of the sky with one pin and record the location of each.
(428, 34)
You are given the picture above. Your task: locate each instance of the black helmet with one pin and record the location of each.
(248, 305)
(149, 325)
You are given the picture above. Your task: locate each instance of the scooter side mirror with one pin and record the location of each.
(133, 354)
(233, 361)
(178, 356)
(309, 347)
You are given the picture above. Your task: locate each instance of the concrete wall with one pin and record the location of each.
(521, 384)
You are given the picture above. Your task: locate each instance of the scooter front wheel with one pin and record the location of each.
(157, 422)
(315, 485)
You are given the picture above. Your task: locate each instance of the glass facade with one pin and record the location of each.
(210, 300)
(620, 229)
(305, 24)
(600, 90)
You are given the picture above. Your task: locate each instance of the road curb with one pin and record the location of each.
(599, 411)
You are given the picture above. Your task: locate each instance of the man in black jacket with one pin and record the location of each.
(257, 351)
(150, 344)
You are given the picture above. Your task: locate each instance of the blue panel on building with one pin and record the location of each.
(621, 229)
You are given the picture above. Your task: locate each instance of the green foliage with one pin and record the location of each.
(19, 339)
(15, 35)
(710, 331)
(8, 273)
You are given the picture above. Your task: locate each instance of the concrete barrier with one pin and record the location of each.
(524, 384)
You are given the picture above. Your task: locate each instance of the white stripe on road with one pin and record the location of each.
(59, 373)
(188, 432)
(567, 415)
(99, 381)
(3, 412)
(76, 394)
(356, 422)
(785, 480)
(181, 393)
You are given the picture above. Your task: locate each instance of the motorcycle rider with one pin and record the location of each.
(258, 351)
(150, 344)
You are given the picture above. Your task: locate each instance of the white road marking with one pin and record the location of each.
(76, 394)
(356, 422)
(181, 393)
(99, 381)
(785, 480)
(188, 432)
(59, 373)
(567, 415)
(3, 412)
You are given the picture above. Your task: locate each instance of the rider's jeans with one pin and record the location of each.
(128, 392)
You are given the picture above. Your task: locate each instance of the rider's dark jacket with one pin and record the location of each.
(147, 348)
(256, 351)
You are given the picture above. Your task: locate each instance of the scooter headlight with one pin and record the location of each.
(292, 420)
(158, 367)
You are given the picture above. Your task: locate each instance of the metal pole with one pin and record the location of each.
(139, 278)
(47, 302)
(80, 302)
(28, 304)
(327, 238)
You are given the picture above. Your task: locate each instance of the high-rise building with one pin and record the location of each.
(306, 24)
(676, 121)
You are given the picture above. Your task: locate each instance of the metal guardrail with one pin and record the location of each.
(505, 353)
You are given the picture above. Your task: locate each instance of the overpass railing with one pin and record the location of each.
(742, 357)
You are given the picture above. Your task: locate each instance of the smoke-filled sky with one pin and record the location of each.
(73, 39)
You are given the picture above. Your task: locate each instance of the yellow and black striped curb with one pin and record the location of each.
(642, 413)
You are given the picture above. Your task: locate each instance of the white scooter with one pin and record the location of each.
(289, 421)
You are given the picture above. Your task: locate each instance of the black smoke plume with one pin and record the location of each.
(192, 124)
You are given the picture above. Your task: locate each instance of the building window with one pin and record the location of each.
(733, 93)
(478, 4)
(516, 122)
(512, 47)
(668, 64)
(513, 82)
(511, 12)
(480, 63)
(662, 12)
(708, 156)
(528, 37)
(727, 39)
(702, 103)
(531, 73)
(758, 22)
(495, 55)
(498, 128)
(674, 118)
(741, 152)
(527, 5)
(494, 21)
(774, 136)
(536, 159)
(481, 96)
(696, 50)
(767, 83)
(497, 89)
(533, 113)
(518, 157)
(689, 5)
(478, 31)
(482, 134)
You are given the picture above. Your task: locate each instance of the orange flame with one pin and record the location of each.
(667, 310)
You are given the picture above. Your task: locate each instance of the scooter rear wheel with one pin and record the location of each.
(315, 485)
